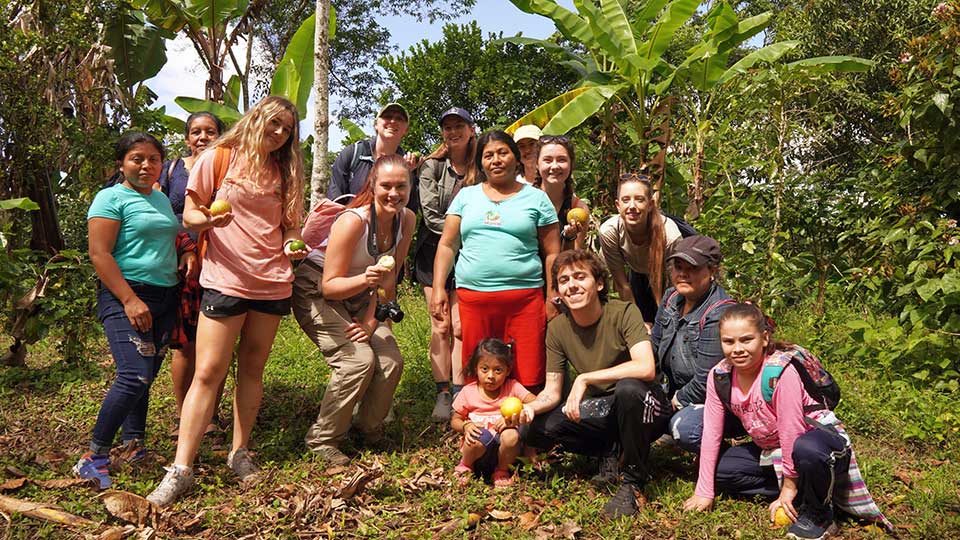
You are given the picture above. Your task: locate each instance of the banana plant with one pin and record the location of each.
(138, 50)
(292, 79)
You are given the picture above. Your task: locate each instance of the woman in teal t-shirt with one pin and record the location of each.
(500, 225)
(132, 241)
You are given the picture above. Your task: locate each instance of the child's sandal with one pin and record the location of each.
(462, 473)
(502, 478)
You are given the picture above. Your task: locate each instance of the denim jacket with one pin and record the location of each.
(685, 353)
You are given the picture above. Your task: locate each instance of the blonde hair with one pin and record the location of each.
(246, 137)
(443, 152)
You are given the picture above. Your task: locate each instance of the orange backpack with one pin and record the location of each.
(221, 163)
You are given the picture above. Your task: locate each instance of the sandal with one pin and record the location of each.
(502, 478)
(463, 473)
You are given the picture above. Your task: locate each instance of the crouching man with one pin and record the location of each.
(601, 398)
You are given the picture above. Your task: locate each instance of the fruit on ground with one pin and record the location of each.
(297, 245)
(387, 262)
(511, 406)
(780, 518)
(577, 215)
(220, 207)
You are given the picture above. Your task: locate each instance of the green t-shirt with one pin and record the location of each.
(573, 349)
(145, 249)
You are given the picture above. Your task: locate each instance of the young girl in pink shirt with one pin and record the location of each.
(488, 444)
(800, 455)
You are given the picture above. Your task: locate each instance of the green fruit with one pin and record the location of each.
(297, 245)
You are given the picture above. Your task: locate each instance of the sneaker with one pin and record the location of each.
(623, 503)
(131, 451)
(608, 473)
(241, 463)
(177, 481)
(331, 454)
(94, 466)
(375, 439)
(443, 408)
(813, 527)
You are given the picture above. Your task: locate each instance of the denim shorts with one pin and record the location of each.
(217, 305)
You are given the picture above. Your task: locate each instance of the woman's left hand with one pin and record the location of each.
(295, 254)
(358, 332)
(188, 265)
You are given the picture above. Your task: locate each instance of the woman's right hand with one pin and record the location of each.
(375, 274)
(220, 220)
(697, 503)
(138, 313)
(357, 332)
(439, 305)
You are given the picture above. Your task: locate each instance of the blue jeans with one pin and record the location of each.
(686, 427)
(137, 355)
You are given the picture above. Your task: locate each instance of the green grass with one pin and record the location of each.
(47, 411)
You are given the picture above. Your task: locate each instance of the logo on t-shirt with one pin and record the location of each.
(492, 218)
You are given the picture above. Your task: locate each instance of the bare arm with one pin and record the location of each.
(548, 399)
(101, 239)
(197, 218)
(581, 240)
(447, 249)
(550, 240)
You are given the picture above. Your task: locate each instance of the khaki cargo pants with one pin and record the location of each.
(364, 373)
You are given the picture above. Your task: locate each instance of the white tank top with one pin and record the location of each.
(361, 255)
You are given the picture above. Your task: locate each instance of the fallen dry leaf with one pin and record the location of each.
(569, 529)
(13, 471)
(529, 520)
(448, 527)
(500, 515)
(12, 484)
(117, 533)
(129, 507)
(904, 477)
(333, 471)
(62, 483)
(147, 534)
(359, 480)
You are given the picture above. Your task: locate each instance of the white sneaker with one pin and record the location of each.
(176, 482)
(443, 408)
(241, 462)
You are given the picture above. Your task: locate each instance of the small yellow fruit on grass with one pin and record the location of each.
(577, 215)
(780, 518)
(297, 245)
(511, 406)
(472, 520)
(387, 262)
(220, 207)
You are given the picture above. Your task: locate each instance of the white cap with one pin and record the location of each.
(528, 131)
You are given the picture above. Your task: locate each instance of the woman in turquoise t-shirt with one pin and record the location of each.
(500, 225)
(132, 234)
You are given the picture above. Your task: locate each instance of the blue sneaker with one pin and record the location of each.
(813, 527)
(96, 467)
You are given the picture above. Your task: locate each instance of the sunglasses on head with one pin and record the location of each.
(627, 177)
(552, 139)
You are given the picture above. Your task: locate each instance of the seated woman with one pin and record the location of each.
(685, 335)
(800, 455)
(336, 296)
(637, 239)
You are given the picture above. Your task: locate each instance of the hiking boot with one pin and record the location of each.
(608, 473)
(813, 526)
(331, 454)
(94, 466)
(177, 481)
(623, 503)
(442, 410)
(131, 451)
(241, 463)
(374, 439)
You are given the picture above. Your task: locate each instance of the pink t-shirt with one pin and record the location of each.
(771, 425)
(472, 405)
(244, 259)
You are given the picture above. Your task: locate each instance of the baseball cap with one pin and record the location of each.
(697, 250)
(457, 111)
(396, 107)
(527, 131)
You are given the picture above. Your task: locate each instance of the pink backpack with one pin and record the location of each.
(316, 229)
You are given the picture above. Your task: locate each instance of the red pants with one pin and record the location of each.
(517, 316)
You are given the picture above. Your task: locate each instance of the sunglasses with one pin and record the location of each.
(630, 177)
(554, 139)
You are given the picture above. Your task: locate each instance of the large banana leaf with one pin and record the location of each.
(579, 109)
(613, 43)
(830, 64)
(619, 26)
(231, 96)
(213, 13)
(138, 49)
(542, 114)
(167, 14)
(770, 53)
(571, 25)
(354, 133)
(661, 34)
(294, 76)
(192, 105)
(23, 203)
(648, 13)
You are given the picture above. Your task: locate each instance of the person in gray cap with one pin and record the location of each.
(354, 162)
(686, 334)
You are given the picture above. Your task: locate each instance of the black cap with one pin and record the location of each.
(457, 111)
(697, 250)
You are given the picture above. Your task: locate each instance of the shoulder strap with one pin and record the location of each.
(221, 164)
(361, 149)
(711, 307)
(722, 382)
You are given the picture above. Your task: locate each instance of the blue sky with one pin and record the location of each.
(183, 76)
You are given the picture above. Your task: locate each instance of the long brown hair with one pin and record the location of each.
(443, 152)
(656, 236)
(567, 144)
(365, 195)
(245, 137)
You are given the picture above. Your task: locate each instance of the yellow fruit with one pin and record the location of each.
(577, 215)
(387, 262)
(511, 406)
(780, 518)
(297, 245)
(472, 520)
(220, 207)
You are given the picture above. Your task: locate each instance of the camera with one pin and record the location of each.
(389, 310)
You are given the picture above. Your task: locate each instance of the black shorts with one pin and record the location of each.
(424, 254)
(216, 305)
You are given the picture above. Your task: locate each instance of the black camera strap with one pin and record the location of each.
(372, 231)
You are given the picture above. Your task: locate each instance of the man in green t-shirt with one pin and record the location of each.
(600, 364)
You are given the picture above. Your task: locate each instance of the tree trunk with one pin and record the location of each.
(46, 235)
(321, 86)
(695, 190)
